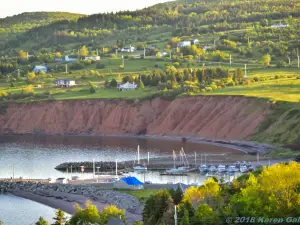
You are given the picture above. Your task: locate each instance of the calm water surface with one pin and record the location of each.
(37, 156)
(19, 211)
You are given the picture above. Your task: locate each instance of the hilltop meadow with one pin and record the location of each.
(235, 48)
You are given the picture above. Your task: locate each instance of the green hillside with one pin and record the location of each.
(12, 27)
(155, 25)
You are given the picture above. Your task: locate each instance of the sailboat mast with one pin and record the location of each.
(138, 152)
(186, 160)
(116, 167)
(174, 158)
(195, 159)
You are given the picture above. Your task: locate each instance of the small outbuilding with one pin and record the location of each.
(64, 83)
(129, 183)
(61, 181)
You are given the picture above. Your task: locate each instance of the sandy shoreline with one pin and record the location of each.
(66, 202)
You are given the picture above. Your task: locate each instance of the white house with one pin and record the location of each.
(207, 47)
(64, 83)
(195, 41)
(184, 44)
(128, 49)
(279, 26)
(68, 59)
(93, 58)
(61, 181)
(127, 86)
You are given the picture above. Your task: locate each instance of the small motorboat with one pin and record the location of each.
(212, 169)
(177, 170)
(232, 169)
(203, 169)
(243, 169)
(140, 168)
(222, 169)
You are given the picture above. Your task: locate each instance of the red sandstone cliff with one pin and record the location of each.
(206, 117)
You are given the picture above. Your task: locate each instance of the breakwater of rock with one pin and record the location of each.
(59, 191)
(106, 166)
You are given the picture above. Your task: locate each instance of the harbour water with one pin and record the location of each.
(35, 157)
(19, 211)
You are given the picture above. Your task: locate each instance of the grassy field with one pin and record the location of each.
(142, 195)
(283, 89)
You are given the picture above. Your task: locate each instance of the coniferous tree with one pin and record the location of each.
(59, 218)
(42, 221)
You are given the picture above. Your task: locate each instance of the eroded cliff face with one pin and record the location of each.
(206, 117)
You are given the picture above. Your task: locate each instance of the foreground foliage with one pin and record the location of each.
(271, 192)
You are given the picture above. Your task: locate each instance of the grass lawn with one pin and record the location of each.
(142, 195)
(287, 89)
(83, 93)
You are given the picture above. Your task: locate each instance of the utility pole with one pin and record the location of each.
(116, 168)
(82, 169)
(97, 52)
(175, 215)
(71, 171)
(298, 58)
(13, 172)
(170, 54)
(116, 52)
(195, 159)
(66, 68)
(257, 156)
(245, 76)
(230, 59)
(93, 168)
(98, 174)
(289, 60)
(123, 61)
(144, 52)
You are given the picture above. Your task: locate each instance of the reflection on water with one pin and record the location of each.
(19, 211)
(37, 156)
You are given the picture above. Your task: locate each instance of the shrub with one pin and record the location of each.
(3, 94)
(77, 66)
(113, 83)
(176, 64)
(255, 79)
(214, 87)
(31, 76)
(92, 88)
(100, 66)
(28, 89)
(276, 77)
(208, 89)
(203, 90)
(47, 92)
